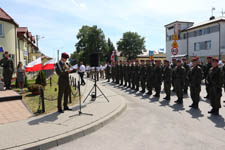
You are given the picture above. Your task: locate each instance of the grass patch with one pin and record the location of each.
(51, 93)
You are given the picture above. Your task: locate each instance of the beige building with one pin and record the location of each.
(8, 36)
(18, 41)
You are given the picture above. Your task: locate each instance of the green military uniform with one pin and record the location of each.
(63, 84)
(206, 72)
(179, 79)
(117, 73)
(186, 82)
(173, 66)
(108, 72)
(157, 78)
(126, 68)
(113, 69)
(8, 70)
(215, 79)
(149, 76)
(133, 76)
(121, 73)
(167, 77)
(137, 76)
(143, 76)
(195, 78)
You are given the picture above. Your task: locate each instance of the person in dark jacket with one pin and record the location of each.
(206, 72)
(8, 69)
(149, 76)
(215, 80)
(167, 77)
(195, 78)
(143, 76)
(63, 70)
(187, 69)
(179, 79)
(157, 78)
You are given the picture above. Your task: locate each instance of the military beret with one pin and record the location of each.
(6, 52)
(195, 58)
(65, 55)
(136, 61)
(178, 60)
(174, 59)
(184, 59)
(215, 59)
(209, 57)
(166, 61)
(157, 60)
(142, 60)
(148, 60)
(223, 61)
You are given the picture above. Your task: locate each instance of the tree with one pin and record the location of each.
(131, 45)
(111, 49)
(91, 39)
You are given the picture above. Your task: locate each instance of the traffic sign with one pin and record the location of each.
(174, 51)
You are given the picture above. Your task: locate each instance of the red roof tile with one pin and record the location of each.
(22, 29)
(6, 17)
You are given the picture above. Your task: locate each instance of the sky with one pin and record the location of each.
(58, 21)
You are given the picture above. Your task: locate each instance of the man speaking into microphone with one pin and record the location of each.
(63, 70)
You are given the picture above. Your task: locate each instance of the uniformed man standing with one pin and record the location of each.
(126, 72)
(187, 69)
(215, 81)
(107, 71)
(143, 76)
(117, 72)
(113, 72)
(137, 75)
(121, 72)
(195, 78)
(149, 76)
(167, 77)
(206, 72)
(173, 66)
(179, 79)
(157, 78)
(62, 70)
(8, 70)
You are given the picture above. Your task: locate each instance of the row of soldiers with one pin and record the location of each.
(179, 75)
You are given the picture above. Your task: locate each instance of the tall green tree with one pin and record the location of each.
(111, 49)
(131, 45)
(91, 39)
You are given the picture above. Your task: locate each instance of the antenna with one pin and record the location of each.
(213, 9)
(223, 12)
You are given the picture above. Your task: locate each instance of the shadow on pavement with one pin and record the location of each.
(51, 117)
(195, 113)
(218, 121)
(164, 103)
(177, 107)
(154, 99)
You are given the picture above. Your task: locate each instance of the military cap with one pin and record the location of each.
(65, 55)
(215, 59)
(157, 60)
(223, 61)
(195, 58)
(184, 59)
(209, 57)
(174, 59)
(136, 61)
(6, 52)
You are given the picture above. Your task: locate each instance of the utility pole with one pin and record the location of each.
(58, 55)
(223, 12)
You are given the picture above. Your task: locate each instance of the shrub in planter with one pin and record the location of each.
(35, 89)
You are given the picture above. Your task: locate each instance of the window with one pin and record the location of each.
(206, 45)
(1, 30)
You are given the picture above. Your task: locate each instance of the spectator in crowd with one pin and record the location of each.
(20, 75)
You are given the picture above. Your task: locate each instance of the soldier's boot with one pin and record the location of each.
(149, 93)
(167, 97)
(185, 92)
(179, 101)
(143, 90)
(156, 95)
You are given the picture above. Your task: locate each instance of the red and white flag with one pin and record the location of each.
(34, 65)
(49, 65)
(112, 56)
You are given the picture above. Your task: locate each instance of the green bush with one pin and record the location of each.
(41, 78)
(35, 89)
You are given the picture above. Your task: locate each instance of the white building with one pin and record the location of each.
(202, 40)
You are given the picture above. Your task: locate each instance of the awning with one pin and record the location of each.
(178, 56)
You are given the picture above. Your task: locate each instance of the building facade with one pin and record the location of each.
(202, 40)
(18, 41)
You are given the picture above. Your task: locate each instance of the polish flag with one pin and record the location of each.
(34, 65)
(112, 56)
(49, 65)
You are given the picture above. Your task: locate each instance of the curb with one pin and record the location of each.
(77, 133)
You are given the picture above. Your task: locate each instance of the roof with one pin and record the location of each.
(22, 29)
(219, 19)
(4, 16)
(178, 22)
